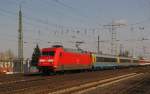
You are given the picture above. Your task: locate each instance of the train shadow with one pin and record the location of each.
(56, 73)
(33, 74)
(75, 71)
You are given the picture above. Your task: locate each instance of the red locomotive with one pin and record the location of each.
(58, 58)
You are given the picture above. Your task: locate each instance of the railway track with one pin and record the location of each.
(93, 85)
(135, 85)
(140, 86)
(7, 79)
(49, 84)
(18, 77)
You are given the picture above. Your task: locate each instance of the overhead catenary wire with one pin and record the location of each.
(8, 36)
(39, 21)
(83, 18)
(48, 3)
(29, 19)
(36, 20)
(63, 4)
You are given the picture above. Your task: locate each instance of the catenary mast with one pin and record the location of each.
(20, 41)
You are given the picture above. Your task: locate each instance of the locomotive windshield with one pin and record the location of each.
(49, 53)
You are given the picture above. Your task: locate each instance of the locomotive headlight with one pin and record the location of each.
(50, 60)
(41, 60)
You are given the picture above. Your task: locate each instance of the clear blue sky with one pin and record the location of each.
(59, 21)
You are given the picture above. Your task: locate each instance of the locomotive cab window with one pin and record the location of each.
(48, 53)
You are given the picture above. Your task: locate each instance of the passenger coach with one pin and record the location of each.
(111, 61)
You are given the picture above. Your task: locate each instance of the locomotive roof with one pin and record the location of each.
(65, 49)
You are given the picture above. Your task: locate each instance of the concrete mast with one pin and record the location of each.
(20, 41)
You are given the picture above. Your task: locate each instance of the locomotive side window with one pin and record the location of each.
(49, 53)
(60, 54)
